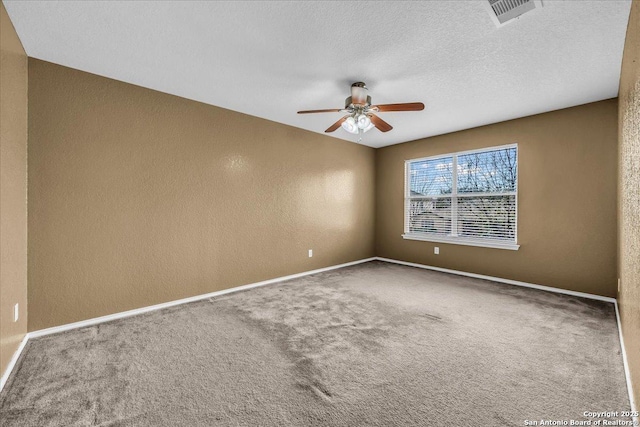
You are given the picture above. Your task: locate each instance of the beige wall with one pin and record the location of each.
(566, 200)
(13, 189)
(138, 197)
(629, 196)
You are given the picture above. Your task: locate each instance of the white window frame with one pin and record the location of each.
(453, 238)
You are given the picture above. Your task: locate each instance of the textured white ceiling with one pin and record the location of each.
(271, 59)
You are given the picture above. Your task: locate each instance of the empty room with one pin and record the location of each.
(320, 213)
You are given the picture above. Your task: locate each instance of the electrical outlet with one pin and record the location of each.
(436, 250)
(16, 312)
(310, 253)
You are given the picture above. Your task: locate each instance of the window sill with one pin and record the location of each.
(460, 241)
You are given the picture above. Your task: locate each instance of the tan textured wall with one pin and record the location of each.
(566, 200)
(138, 197)
(13, 189)
(629, 196)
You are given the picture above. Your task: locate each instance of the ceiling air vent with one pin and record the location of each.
(503, 11)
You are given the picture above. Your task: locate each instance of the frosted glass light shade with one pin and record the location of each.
(350, 125)
(363, 121)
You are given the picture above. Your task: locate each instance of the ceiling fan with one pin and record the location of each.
(360, 113)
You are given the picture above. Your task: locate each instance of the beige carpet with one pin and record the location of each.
(375, 344)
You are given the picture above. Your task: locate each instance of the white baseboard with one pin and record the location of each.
(500, 280)
(627, 373)
(12, 362)
(134, 312)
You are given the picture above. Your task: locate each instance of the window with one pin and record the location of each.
(467, 198)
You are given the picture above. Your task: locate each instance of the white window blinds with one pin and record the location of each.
(468, 197)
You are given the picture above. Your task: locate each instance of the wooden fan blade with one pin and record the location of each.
(336, 110)
(409, 106)
(336, 125)
(379, 123)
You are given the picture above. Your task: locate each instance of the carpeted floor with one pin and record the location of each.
(375, 344)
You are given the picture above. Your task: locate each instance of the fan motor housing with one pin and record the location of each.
(359, 93)
(349, 102)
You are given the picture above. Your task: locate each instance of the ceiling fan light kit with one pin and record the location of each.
(360, 116)
(357, 124)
